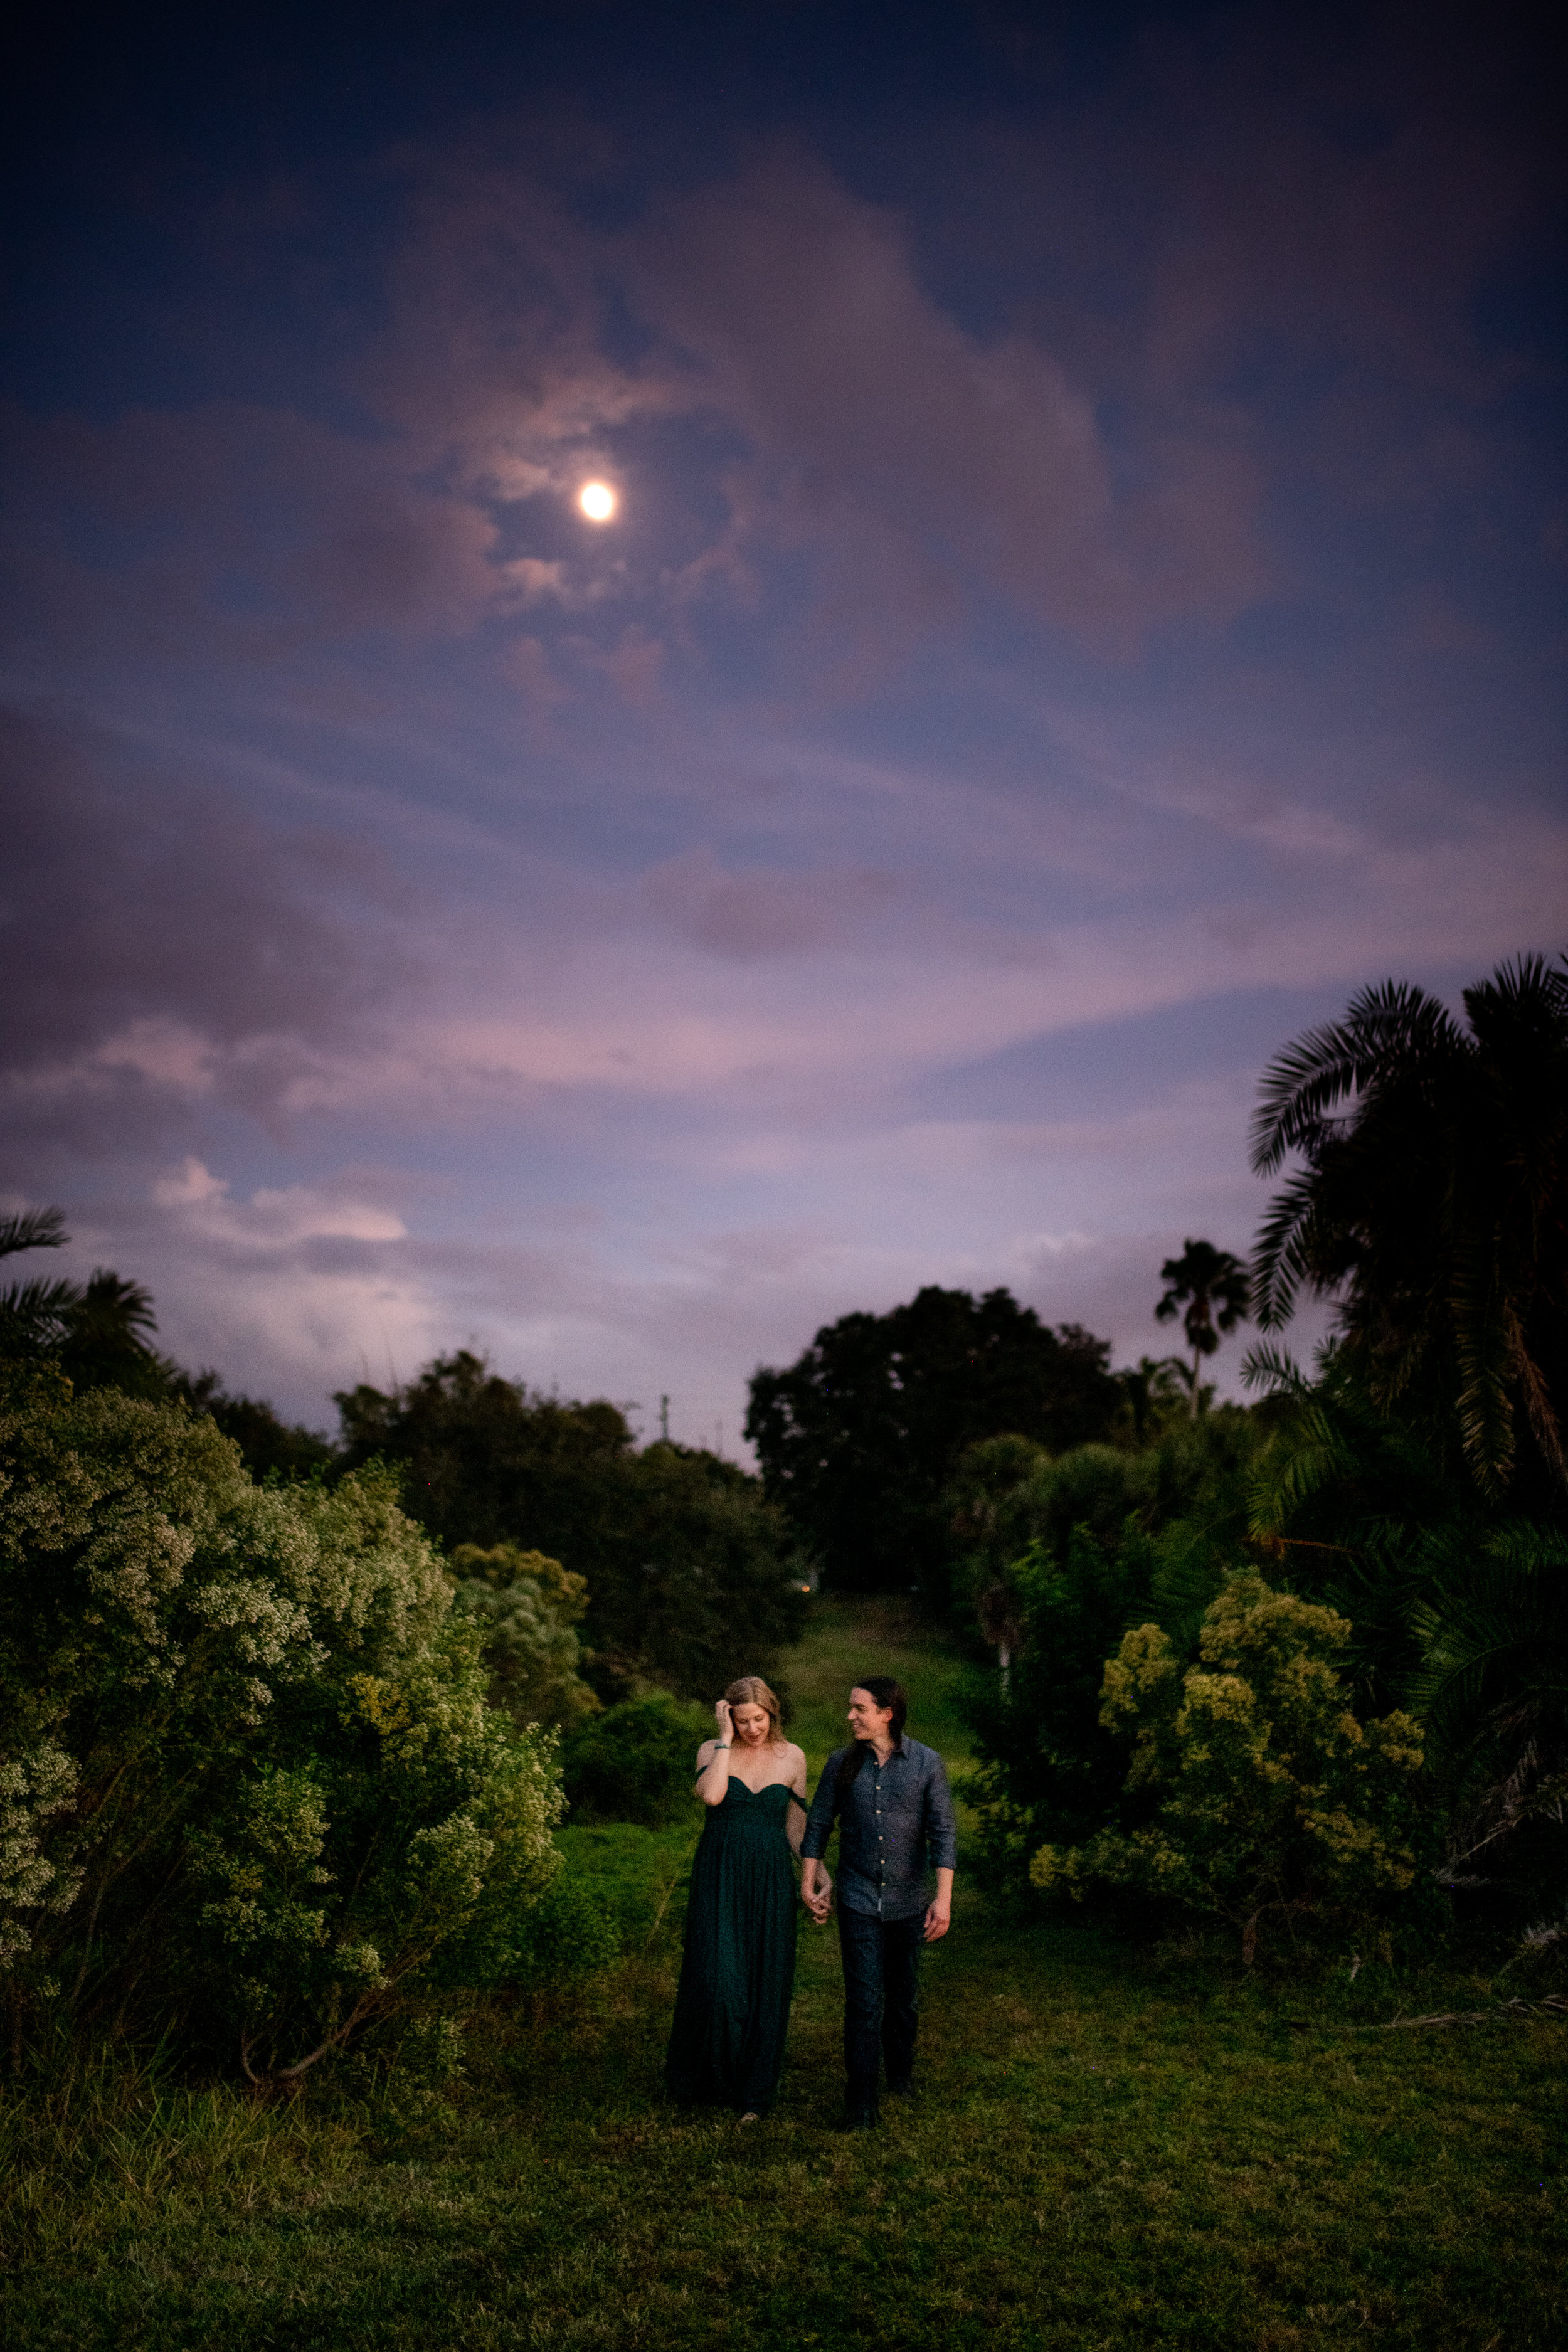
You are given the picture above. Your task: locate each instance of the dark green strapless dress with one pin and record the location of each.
(731, 2013)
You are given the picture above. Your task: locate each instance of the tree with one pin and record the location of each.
(985, 1499)
(860, 1436)
(1433, 1207)
(96, 1333)
(250, 1785)
(1213, 1288)
(691, 1573)
(1085, 1545)
(526, 1608)
(1459, 1608)
(1259, 1792)
(267, 1442)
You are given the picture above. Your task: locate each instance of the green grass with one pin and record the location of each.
(850, 1637)
(1110, 2152)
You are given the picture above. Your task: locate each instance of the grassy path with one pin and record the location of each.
(1105, 2156)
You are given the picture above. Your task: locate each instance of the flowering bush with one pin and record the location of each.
(1259, 1791)
(526, 1607)
(248, 1777)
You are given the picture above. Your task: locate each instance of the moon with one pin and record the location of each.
(597, 501)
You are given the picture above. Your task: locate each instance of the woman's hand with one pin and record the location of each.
(724, 1719)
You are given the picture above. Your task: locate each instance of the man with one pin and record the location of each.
(892, 1798)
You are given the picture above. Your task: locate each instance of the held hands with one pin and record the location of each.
(817, 1892)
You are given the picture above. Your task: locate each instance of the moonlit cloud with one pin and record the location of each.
(1082, 597)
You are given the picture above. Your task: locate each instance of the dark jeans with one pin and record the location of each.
(881, 2000)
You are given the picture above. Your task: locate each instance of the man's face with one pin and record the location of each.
(866, 1719)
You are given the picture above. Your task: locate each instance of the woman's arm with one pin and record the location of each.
(713, 1760)
(794, 1814)
(815, 1885)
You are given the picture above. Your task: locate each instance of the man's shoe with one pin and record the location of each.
(905, 2091)
(858, 2119)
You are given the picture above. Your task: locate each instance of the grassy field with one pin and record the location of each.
(1112, 2150)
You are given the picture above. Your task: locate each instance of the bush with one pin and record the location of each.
(525, 1607)
(1062, 1558)
(1259, 1791)
(567, 1938)
(636, 1762)
(252, 1788)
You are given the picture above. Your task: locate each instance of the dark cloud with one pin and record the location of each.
(159, 945)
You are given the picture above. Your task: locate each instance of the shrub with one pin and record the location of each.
(251, 1785)
(636, 1762)
(525, 1607)
(1261, 1792)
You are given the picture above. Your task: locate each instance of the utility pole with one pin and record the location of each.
(664, 1419)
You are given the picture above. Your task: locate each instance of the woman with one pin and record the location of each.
(732, 2010)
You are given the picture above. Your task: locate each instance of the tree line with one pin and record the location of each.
(277, 1761)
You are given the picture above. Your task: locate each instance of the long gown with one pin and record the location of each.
(732, 2012)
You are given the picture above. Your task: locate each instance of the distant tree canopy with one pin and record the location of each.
(485, 1462)
(860, 1438)
(691, 1573)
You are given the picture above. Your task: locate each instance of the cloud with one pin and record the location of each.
(272, 1218)
(160, 944)
(763, 911)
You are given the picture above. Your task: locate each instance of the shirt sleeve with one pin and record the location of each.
(819, 1821)
(941, 1827)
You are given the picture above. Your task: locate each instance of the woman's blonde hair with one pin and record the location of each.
(749, 1690)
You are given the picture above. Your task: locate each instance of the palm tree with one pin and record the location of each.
(1214, 1287)
(1433, 1206)
(35, 1316)
(96, 1333)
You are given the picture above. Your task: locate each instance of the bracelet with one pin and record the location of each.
(721, 1745)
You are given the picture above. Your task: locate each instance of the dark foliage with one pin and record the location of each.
(1459, 1614)
(97, 1333)
(1094, 1543)
(1433, 1204)
(485, 1463)
(691, 1573)
(268, 1444)
(1209, 1289)
(858, 1439)
(636, 1763)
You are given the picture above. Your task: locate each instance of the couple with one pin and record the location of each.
(890, 1798)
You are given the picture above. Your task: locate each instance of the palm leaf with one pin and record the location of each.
(33, 1229)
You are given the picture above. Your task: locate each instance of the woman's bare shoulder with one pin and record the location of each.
(705, 1753)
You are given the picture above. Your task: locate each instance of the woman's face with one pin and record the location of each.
(751, 1722)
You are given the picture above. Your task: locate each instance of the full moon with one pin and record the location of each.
(597, 501)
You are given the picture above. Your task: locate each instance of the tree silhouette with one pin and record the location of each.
(1210, 1289)
(1434, 1207)
(96, 1333)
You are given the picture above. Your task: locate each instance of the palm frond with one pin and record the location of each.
(33, 1229)
(35, 1316)
(1274, 1370)
(1331, 1064)
(1486, 1335)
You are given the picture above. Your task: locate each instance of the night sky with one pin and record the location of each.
(1086, 595)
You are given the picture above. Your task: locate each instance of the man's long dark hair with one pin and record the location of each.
(885, 1692)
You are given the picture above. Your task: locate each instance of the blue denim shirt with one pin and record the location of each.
(897, 1819)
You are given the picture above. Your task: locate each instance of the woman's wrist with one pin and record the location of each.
(721, 1745)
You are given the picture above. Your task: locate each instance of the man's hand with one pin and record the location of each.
(815, 1890)
(938, 1917)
